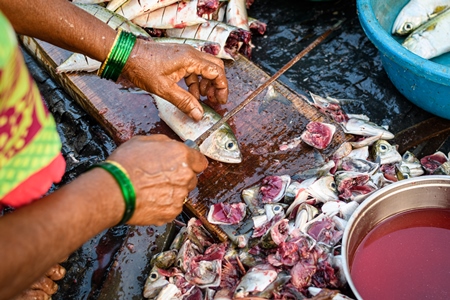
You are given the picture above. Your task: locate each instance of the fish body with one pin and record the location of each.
(432, 38)
(221, 145)
(213, 31)
(200, 45)
(113, 19)
(236, 14)
(416, 13)
(134, 8)
(78, 62)
(176, 15)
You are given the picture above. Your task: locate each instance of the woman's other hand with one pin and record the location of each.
(163, 172)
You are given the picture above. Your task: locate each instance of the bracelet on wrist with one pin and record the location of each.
(118, 55)
(121, 176)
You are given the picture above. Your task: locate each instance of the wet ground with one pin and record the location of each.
(345, 66)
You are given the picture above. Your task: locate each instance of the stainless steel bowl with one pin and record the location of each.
(431, 191)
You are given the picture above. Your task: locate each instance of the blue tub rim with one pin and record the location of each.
(390, 48)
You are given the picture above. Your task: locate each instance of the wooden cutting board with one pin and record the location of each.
(261, 128)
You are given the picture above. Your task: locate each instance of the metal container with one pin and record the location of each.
(426, 83)
(431, 191)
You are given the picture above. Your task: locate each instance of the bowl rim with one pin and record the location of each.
(426, 179)
(389, 47)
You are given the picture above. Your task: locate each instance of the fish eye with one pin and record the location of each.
(277, 208)
(179, 263)
(239, 290)
(383, 147)
(229, 145)
(154, 275)
(333, 185)
(408, 26)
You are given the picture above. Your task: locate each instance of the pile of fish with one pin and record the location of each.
(285, 234)
(426, 24)
(220, 28)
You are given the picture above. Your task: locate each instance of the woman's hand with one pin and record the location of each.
(163, 172)
(157, 68)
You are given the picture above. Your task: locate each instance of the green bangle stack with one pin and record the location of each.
(121, 176)
(118, 56)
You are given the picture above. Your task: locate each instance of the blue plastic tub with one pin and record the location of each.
(426, 83)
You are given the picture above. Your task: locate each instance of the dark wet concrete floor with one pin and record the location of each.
(345, 66)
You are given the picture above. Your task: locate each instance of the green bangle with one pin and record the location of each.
(121, 176)
(118, 55)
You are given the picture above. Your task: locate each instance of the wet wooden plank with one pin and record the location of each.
(264, 125)
(131, 264)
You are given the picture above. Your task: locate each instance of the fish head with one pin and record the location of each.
(324, 189)
(409, 18)
(385, 153)
(222, 146)
(164, 260)
(154, 283)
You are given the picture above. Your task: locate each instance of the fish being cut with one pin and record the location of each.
(221, 145)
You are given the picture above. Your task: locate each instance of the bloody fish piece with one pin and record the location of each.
(226, 213)
(273, 188)
(431, 162)
(318, 135)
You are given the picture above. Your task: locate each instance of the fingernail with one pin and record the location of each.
(196, 114)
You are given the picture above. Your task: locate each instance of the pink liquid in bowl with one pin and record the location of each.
(406, 256)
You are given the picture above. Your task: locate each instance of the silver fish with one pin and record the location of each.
(416, 13)
(410, 164)
(385, 153)
(254, 281)
(212, 31)
(154, 283)
(324, 189)
(113, 19)
(443, 169)
(358, 165)
(133, 8)
(250, 196)
(164, 260)
(170, 291)
(366, 128)
(327, 294)
(221, 145)
(176, 15)
(432, 38)
(236, 14)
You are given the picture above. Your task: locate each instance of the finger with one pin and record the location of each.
(185, 101)
(204, 86)
(198, 161)
(33, 295)
(210, 70)
(193, 85)
(56, 272)
(45, 284)
(221, 95)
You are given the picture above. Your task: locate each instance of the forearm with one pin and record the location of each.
(37, 236)
(60, 23)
